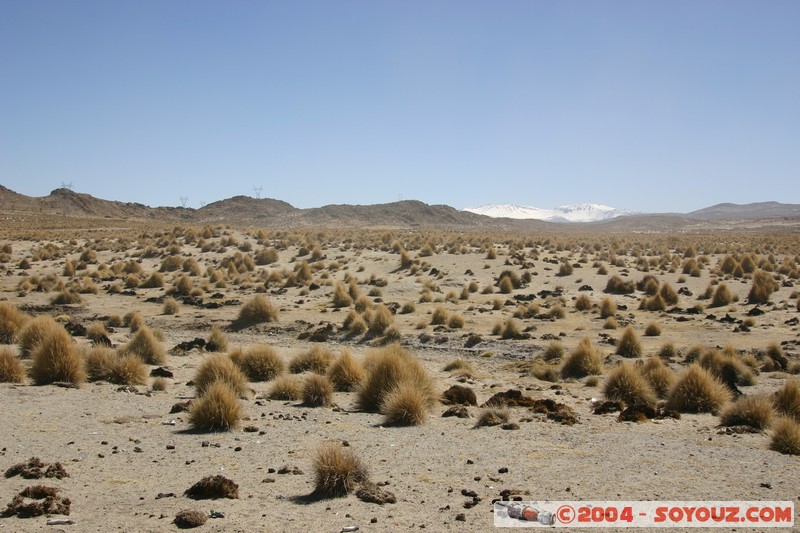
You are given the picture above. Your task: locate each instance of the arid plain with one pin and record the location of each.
(622, 373)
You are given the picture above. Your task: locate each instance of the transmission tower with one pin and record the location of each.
(184, 199)
(65, 185)
(258, 191)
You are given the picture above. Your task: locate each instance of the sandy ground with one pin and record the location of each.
(129, 467)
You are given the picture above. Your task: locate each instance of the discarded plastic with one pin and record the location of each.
(168, 423)
(60, 522)
(528, 513)
(349, 528)
(216, 514)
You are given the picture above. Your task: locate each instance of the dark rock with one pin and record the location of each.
(212, 487)
(161, 372)
(458, 394)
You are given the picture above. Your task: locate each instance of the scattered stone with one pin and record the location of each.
(250, 429)
(459, 394)
(213, 487)
(509, 426)
(461, 517)
(189, 518)
(161, 372)
(371, 493)
(181, 407)
(161, 495)
(459, 411)
(290, 470)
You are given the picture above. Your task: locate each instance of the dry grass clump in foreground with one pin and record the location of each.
(286, 388)
(261, 362)
(256, 311)
(658, 375)
(628, 345)
(493, 416)
(56, 358)
(753, 411)
(627, 385)
(317, 391)
(722, 296)
(11, 321)
(387, 368)
(128, 370)
(316, 360)
(346, 372)
(763, 286)
(34, 331)
(785, 436)
(146, 346)
(337, 471)
(220, 367)
(405, 405)
(787, 399)
(218, 409)
(584, 360)
(697, 391)
(11, 368)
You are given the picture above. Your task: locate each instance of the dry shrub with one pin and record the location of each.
(218, 409)
(722, 296)
(146, 346)
(11, 369)
(171, 306)
(96, 331)
(286, 388)
(261, 362)
(697, 391)
(133, 320)
(785, 436)
(217, 341)
(554, 351)
(220, 367)
(557, 311)
(439, 316)
(346, 372)
(607, 308)
(317, 391)
(456, 321)
(753, 411)
(405, 405)
(56, 358)
(379, 320)
(11, 321)
(668, 294)
(387, 368)
(337, 471)
(727, 366)
(316, 360)
(626, 384)
(787, 399)
(66, 297)
(460, 365)
(34, 331)
(341, 298)
(127, 370)
(652, 330)
(213, 487)
(493, 416)
(154, 281)
(584, 360)
(763, 286)
(510, 329)
(159, 384)
(583, 303)
(97, 362)
(658, 375)
(610, 323)
(629, 345)
(616, 285)
(258, 310)
(654, 303)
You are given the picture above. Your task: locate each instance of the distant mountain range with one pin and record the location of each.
(565, 213)
(247, 211)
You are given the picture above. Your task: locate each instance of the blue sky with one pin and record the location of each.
(649, 105)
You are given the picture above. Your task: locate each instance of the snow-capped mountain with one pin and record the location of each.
(565, 213)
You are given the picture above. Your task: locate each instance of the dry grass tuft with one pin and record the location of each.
(787, 399)
(256, 311)
(584, 360)
(317, 391)
(337, 471)
(220, 367)
(607, 308)
(722, 296)
(56, 358)
(171, 306)
(217, 341)
(286, 388)
(785, 436)
(146, 346)
(763, 286)
(629, 345)
(387, 368)
(127, 370)
(34, 331)
(493, 416)
(754, 411)
(697, 391)
(218, 409)
(11, 321)
(341, 298)
(652, 330)
(658, 375)
(460, 365)
(97, 362)
(346, 372)
(213, 487)
(626, 384)
(405, 405)
(316, 360)
(261, 362)
(11, 368)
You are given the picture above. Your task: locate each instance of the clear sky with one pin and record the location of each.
(650, 105)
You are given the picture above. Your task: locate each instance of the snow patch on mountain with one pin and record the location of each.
(564, 213)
